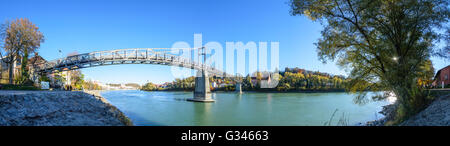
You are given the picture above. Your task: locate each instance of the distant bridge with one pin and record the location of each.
(162, 56)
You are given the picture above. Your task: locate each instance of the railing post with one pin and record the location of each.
(90, 59)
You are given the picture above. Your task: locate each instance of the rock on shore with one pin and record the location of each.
(57, 108)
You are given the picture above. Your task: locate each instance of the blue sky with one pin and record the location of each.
(84, 26)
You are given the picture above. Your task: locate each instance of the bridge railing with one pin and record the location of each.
(135, 55)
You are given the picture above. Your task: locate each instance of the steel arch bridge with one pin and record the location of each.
(161, 56)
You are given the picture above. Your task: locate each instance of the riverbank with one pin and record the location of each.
(58, 108)
(436, 114)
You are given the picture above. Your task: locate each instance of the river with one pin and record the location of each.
(247, 109)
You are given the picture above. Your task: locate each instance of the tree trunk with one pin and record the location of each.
(24, 70)
(411, 99)
(11, 72)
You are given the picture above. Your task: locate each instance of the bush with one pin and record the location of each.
(44, 78)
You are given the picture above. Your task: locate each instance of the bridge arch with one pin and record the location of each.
(161, 56)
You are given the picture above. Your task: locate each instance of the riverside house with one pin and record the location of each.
(442, 78)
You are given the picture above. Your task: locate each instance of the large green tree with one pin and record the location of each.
(383, 42)
(20, 37)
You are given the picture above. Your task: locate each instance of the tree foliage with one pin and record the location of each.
(20, 37)
(385, 43)
(149, 87)
(76, 80)
(299, 81)
(289, 80)
(91, 85)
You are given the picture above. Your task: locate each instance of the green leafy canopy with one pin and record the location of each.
(385, 43)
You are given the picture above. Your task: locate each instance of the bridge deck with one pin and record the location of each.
(162, 56)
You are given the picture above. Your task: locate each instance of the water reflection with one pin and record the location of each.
(203, 113)
(239, 96)
(269, 98)
(269, 102)
(391, 98)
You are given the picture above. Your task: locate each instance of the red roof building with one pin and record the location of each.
(442, 77)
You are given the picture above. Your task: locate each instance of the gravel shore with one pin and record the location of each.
(436, 114)
(58, 108)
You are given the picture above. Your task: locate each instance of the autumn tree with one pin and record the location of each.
(149, 87)
(248, 84)
(426, 74)
(20, 37)
(383, 42)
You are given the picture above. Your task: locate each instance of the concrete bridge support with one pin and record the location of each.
(239, 88)
(202, 93)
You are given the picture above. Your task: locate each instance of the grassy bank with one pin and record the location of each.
(17, 87)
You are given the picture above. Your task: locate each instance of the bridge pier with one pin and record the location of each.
(238, 87)
(202, 92)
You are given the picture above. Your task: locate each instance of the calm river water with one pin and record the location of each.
(170, 108)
